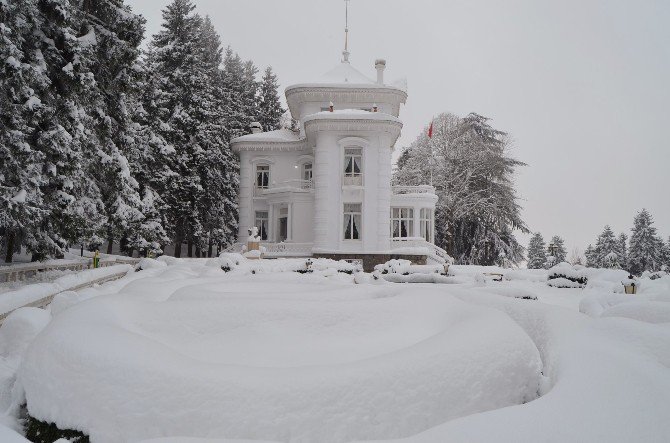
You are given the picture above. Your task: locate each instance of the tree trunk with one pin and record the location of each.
(110, 244)
(189, 250)
(198, 252)
(178, 240)
(210, 246)
(9, 253)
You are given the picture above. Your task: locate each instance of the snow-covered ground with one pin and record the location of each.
(185, 352)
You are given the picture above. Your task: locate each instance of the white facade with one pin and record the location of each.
(327, 187)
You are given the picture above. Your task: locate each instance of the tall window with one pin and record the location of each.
(262, 224)
(352, 221)
(426, 221)
(262, 176)
(307, 171)
(402, 222)
(353, 166)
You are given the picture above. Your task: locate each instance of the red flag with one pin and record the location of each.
(430, 130)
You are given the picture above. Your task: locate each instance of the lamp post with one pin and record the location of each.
(629, 285)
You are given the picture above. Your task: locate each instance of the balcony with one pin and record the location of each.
(421, 189)
(285, 186)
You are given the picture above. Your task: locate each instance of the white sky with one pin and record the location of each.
(583, 86)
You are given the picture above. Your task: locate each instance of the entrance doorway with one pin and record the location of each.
(283, 228)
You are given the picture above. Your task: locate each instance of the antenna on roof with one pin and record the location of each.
(345, 53)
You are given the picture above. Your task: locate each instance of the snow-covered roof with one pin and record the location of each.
(345, 73)
(280, 135)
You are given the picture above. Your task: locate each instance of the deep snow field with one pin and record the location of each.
(185, 352)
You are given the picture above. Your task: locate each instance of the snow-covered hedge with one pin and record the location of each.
(405, 267)
(232, 261)
(565, 275)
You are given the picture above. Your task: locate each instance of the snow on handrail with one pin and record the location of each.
(25, 296)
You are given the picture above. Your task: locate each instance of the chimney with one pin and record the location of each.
(380, 65)
(256, 128)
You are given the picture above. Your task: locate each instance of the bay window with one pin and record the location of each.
(402, 222)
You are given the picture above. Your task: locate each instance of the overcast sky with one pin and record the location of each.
(583, 86)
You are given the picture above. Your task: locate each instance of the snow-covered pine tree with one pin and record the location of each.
(559, 253)
(175, 61)
(591, 257)
(606, 249)
(22, 77)
(250, 94)
(645, 251)
(219, 171)
(236, 95)
(114, 35)
(469, 164)
(270, 110)
(537, 255)
(62, 133)
(622, 250)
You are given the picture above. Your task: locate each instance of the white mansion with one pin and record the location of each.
(326, 190)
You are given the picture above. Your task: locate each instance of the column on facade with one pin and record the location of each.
(417, 220)
(384, 192)
(271, 223)
(322, 189)
(289, 221)
(246, 214)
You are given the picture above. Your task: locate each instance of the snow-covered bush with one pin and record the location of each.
(405, 267)
(565, 275)
(150, 263)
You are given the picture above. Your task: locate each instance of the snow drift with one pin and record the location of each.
(193, 351)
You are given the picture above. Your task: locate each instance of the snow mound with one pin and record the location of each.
(18, 330)
(646, 311)
(197, 352)
(150, 263)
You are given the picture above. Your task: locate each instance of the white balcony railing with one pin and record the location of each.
(278, 249)
(422, 189)
(287, 185)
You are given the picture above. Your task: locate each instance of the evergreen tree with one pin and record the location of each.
(219, 171)
(175, 59)
(622, 250)
(250, 92)
(270, 110)
(558, 252)
(22, 210)
(236, 88)
(115, 35)
(645, 252)
(591, 257)
(607, 249)
(63, 133)
(537, 256)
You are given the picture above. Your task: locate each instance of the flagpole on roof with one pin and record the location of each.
(431, 160)
(345, 53)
